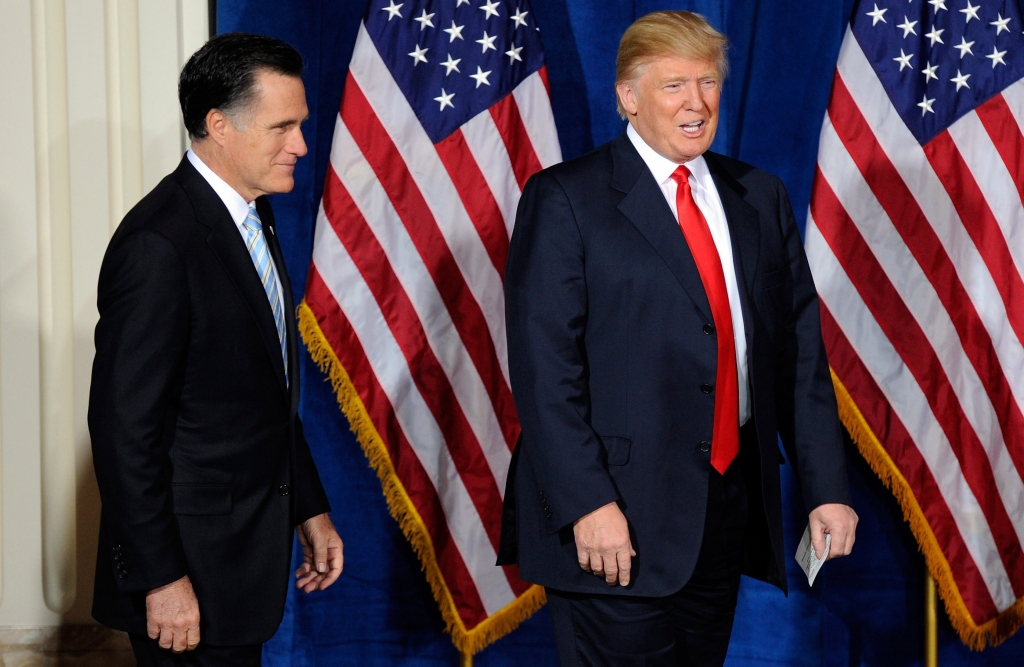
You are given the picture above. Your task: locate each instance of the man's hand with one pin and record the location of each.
(321, 552)
(603, 546)
(172, 616)
(838, 520)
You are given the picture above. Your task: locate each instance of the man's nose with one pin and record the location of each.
(297, 144)
(693, 100)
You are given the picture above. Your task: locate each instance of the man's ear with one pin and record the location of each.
(217, 124)
(626, 90)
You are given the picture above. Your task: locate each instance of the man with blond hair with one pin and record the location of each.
(663, 333)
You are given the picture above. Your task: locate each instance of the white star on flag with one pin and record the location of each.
(481, 77)
(937, 4)
(960, 80)
(877, 15)
(519, 17)
(971, 12)
(907, 26)
(461, 2)
(997, 57)
(419, 55)
(964, 47)
(1001, 24)
(451, 64)
(445, 100)
(424, 20)
(904, 60)
(929, 72)
(926, 105)
(491, 9)
(935, 36)
(487, 42)
(513, 54)
(454, 32)
(393, 10)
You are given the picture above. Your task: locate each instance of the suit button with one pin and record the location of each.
(117, 547)
(122, 574)
(283, 490)
(708, 329)
(121, 567)
(705, 446)
(118, 557)
(706, 388)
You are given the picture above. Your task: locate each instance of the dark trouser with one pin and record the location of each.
(149, 654)
(690, 627)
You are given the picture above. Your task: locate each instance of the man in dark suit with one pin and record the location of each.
(202, 466)
(662, 333)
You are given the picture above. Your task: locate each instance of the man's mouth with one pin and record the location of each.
(693, 128)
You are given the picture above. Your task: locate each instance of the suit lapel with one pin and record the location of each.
(645, 206)
(742, 218)
(227, 245)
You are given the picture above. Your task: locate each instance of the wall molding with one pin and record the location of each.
(56, 326)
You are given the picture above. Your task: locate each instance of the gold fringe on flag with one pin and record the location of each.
(992, 632)
(468, 641)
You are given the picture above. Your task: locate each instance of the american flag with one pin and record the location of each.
(445, 115)
(916, 241)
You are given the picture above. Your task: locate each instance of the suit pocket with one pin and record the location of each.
(617, 449)
(202, 499)
(771, 279)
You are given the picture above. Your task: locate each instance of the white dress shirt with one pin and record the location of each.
(706, 196)
(237, 207)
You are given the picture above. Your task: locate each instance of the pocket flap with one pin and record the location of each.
(617, 449)
(201, 499)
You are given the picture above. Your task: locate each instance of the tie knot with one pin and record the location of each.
(252, 221)
(681, 175)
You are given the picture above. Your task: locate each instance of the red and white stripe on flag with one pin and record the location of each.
(917, 251)
(404, 309)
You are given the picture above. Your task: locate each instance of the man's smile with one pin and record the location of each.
(693, 129)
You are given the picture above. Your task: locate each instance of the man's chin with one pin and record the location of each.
(282, 186)
(694, 147)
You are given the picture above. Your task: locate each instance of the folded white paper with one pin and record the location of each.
(809, 561)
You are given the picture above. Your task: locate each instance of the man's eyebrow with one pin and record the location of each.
(286, 123)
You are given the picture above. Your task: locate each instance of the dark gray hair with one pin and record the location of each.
(222, 75)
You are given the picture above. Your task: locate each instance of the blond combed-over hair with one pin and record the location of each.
(668, 33)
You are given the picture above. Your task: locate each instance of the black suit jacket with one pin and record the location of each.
(610, 337)
(199, 453)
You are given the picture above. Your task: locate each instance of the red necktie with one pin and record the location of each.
(726, 434)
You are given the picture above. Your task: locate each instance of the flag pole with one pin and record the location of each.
(931, 623)
(467, 660)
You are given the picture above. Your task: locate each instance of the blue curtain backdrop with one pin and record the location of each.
(865, 610)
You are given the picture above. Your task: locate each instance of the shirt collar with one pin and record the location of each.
(661, 167)
(237, 207)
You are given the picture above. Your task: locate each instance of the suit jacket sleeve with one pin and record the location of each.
(141, 339)
(311, 499)
(546, 318)
(808, 418)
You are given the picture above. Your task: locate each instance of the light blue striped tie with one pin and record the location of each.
(260, 254)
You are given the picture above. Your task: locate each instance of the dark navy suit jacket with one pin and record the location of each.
(199, 452)
(610, 337)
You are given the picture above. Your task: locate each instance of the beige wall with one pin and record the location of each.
(89, 121)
